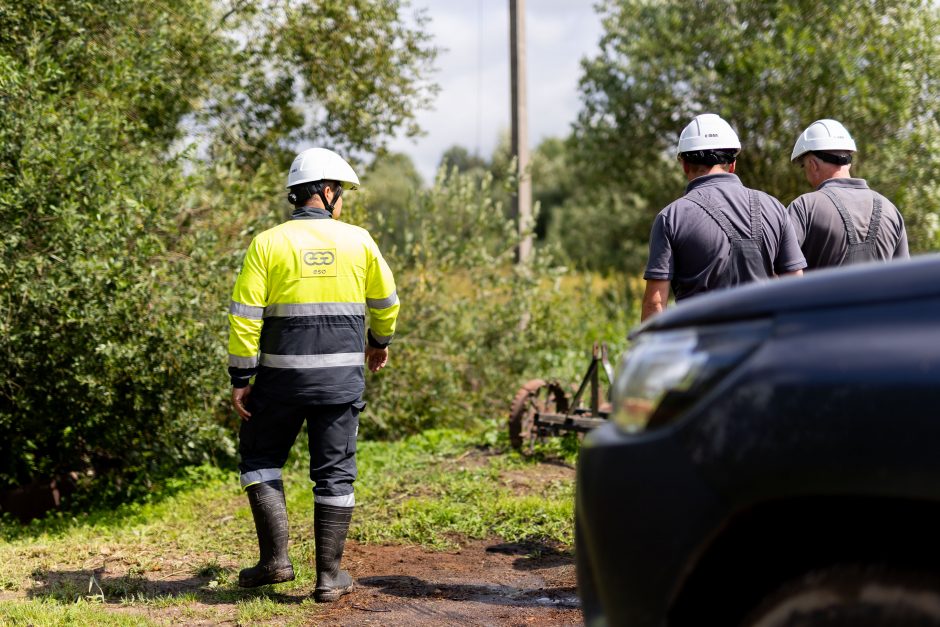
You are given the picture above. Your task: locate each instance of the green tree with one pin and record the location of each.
(457, 160)
(102, 365)
(552, 180)
(583, 220)
(550, 168)
(461, 159)
(770, 68)
(346, 73)
(388, 199)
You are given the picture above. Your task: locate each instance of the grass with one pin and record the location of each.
(78, 614)
(175, 559)
(419, 494)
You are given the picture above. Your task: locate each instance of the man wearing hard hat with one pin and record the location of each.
(721, 233)
(298, 347)
(843, 221)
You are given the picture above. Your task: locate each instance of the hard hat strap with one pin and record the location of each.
(828, 157)
(710, 157)
(337, 192)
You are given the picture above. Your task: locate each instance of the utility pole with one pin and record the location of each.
(522, 201)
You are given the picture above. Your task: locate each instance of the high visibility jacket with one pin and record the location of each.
(298, 312)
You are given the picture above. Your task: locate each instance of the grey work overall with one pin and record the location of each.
(746, 263)
(858, 251)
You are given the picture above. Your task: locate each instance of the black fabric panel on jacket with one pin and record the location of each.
(313, 335)
(339, 384)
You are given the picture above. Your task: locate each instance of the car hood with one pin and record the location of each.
(834, 287)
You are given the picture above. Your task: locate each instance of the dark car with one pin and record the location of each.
(773, 458)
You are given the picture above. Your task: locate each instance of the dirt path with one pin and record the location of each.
(482, 584)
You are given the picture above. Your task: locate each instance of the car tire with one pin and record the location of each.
(853, 596)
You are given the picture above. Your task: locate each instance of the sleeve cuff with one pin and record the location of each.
(240, 382)
(374, 343)
(796, 265)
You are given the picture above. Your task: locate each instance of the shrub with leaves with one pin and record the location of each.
(474, 325)
(106, 342)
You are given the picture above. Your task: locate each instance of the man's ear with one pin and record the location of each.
(732, 166)
(686, 167)
(810, 168)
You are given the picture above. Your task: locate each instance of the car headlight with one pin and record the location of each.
(665, 372)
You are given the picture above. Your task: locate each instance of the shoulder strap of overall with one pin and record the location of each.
(716, 214)
(874, 226)
(757, 226)
(850, 231)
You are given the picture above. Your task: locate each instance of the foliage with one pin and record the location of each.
(576, 220)
(583, 221)
(474, 326)
(496, 170)
(459, 158)
(392, 184)
(770, 68)
(346, 73)
(121, 241)
(553, 182)
(103, 327)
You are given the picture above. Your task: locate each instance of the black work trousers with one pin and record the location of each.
(265, 440)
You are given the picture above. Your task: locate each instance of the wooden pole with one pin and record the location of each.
(522, 201)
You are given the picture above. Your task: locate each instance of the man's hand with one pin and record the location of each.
(240, 399)
(376, 358)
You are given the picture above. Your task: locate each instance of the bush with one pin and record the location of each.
(109, 338)
(474, 326)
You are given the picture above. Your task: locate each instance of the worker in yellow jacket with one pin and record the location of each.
(298, 330)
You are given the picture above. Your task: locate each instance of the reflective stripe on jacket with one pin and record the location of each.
(298, 311)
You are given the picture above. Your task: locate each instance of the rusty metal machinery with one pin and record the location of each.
(542, 408)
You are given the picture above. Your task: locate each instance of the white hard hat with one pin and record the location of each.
(708, 132)
(320, 164)
(823, 135)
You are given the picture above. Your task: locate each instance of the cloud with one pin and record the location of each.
(472, 108)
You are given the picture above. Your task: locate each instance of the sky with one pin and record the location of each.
(472, 107)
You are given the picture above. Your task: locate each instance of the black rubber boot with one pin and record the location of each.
(270, 512)
(330, 525)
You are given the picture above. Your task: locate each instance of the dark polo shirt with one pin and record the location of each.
(689, 249)
(821, 232)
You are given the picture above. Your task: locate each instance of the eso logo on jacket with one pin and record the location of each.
(319, 257)
(318, 263)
